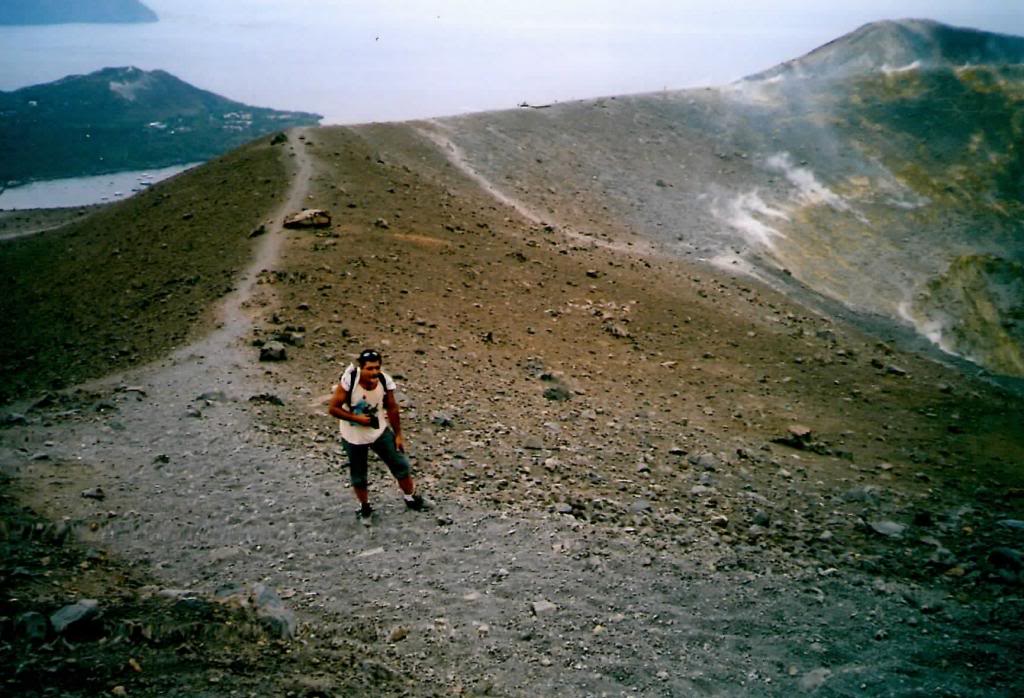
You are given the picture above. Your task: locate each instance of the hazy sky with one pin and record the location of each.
(379, 60)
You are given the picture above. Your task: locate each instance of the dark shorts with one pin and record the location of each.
(385, 449)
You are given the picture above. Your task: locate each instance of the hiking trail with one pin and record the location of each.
(458, 158)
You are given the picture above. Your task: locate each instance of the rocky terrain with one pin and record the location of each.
(649, 475)
(854, 178)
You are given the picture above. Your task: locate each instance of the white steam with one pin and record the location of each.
(810, 191)
(900, 69)
(752, 217)
(762, 92)
(931, 328)
(742, 214)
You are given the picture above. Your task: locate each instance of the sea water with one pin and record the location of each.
(82, 191)
(359, 61)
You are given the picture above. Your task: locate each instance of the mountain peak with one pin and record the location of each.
(900, 44)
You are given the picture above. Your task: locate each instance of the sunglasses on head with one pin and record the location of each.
(369, 355)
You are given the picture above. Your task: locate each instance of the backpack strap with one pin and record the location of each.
(351, 385)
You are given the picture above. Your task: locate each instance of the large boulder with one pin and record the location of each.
(308, 218)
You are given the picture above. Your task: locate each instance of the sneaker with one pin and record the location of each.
(365, 512)
(416, 503)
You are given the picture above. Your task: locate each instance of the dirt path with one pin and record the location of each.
(27, 223)
(232, 312)
(457, 157)
(5, 237)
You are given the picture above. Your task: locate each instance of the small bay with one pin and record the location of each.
(83, 191)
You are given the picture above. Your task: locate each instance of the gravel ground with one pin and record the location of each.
(612, 513)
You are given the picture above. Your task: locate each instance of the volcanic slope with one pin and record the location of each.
(595, 429)
(620, 505)
(856, 184)
(596, 425)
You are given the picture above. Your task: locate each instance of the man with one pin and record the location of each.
(362, 395)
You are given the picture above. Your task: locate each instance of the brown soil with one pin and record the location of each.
(752, 570)
(132, 280)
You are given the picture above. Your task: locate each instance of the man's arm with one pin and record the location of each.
(336, 408)
(391, 407)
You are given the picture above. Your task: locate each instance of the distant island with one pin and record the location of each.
(123, 119)
(19, 12)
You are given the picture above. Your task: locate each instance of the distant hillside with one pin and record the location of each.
(123, 119)
(67, 12)
(894, 45)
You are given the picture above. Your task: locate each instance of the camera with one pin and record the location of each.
(374, 422)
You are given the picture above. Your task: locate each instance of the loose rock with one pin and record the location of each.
(94, 493)
(308, 218)
(533, 444)
(266, 399)
(706, 460)
(719, 521)
(442, 419)
(797, 436)
(31, 626)
(813, 680)
(861, 493)
(640, 506)
(273, 351)
(543, 607)
(889, 529)
(75, 617)
(557, 393)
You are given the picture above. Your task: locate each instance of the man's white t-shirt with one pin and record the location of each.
(364, 401)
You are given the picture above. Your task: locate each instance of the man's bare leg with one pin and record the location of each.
(407, 485)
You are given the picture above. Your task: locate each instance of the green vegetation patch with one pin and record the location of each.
(978, 305)
(937, 115)
(132, 280)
